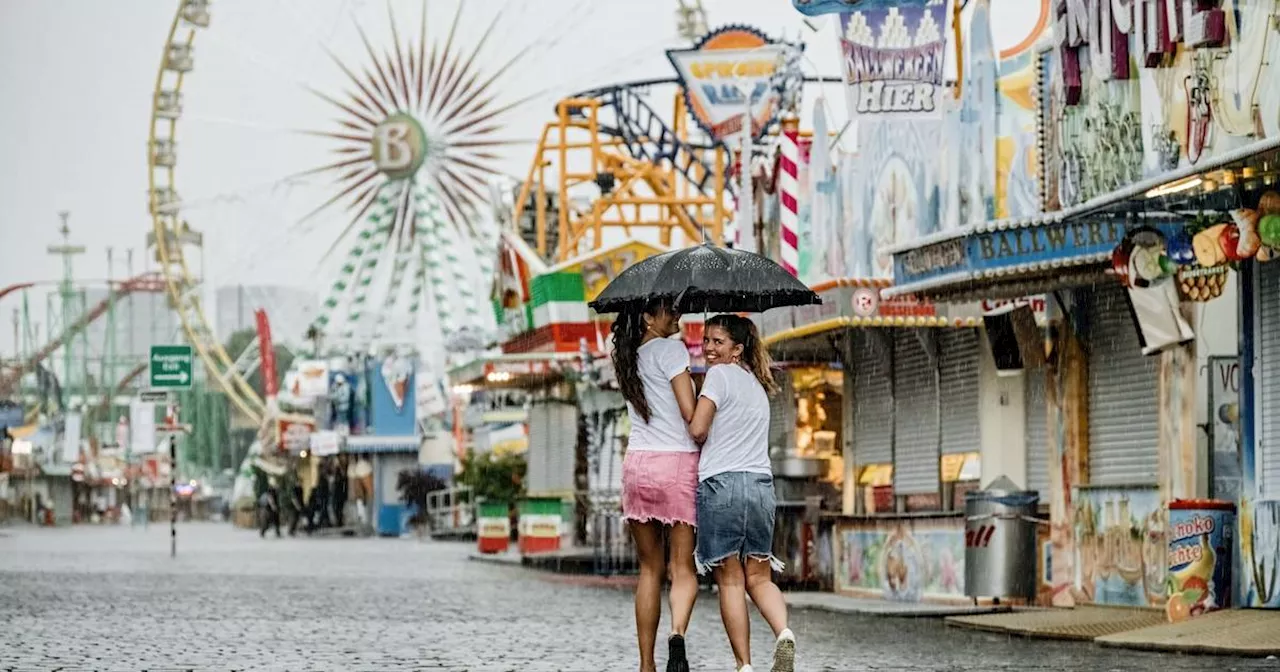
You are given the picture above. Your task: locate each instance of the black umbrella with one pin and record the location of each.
(706, 279)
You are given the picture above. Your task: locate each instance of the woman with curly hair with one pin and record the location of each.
(735, 498)
(659, 472)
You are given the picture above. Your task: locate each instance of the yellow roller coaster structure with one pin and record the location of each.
(648, 174)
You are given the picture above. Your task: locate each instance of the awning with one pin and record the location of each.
(1070, 247)
(858, 303)
(871, 322)
(367, 445)
(513, 370)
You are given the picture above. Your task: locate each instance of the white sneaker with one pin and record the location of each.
(784, 652)
(745, 668)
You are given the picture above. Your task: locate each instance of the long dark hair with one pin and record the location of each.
(754, 355)
(628, 333)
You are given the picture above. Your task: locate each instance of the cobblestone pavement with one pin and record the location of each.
(110, 598)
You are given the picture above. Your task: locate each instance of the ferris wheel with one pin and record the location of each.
(413, 146)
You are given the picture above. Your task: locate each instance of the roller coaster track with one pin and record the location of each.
(648, 137)
(147, 282)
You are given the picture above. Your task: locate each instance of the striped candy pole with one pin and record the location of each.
(788, 189)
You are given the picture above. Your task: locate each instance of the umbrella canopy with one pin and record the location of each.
(707, 279)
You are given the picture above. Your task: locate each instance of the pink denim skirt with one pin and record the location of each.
(660, 486)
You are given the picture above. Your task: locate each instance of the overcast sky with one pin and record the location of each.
(76, 78)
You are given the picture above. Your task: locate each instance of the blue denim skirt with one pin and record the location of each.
(735, 519)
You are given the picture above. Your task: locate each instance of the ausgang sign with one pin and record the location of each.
(729, 64)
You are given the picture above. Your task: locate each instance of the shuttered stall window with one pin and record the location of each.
(1268, 413)
(958, 371)
(782, 414)
(537, 476)
(915, 464)
(872, 402)
(390, 465)
(1037, 429)
(1123, 414)
(562, 457)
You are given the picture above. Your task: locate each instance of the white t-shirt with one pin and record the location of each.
(661, 360)
(739, 436)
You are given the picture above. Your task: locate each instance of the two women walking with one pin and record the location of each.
(697, 510)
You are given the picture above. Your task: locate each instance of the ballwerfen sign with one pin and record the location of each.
(170, 366)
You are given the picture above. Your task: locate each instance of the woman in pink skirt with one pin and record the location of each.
(659, 473)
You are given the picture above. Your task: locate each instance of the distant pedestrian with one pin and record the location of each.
(320, 506)
(298, 503)
(270, 508)
(339, 490)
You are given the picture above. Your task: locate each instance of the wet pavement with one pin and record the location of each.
(111, 598)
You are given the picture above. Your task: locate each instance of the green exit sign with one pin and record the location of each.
(170, 367)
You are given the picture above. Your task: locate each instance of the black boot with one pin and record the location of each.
(676, 660)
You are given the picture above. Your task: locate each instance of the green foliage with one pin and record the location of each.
(414, 485)
(491, 477)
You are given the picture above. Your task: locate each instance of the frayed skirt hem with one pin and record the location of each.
(705, 567)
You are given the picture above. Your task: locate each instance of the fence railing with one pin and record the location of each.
(612, 549)
(451, 513)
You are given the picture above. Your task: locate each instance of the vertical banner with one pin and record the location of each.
(142, 427)
(894, 57)
(267, 350)
(71, 427)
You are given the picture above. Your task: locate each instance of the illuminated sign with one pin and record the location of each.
(726, 67)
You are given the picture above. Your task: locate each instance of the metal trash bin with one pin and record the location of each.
(1000, 541)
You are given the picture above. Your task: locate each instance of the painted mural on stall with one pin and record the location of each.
(901, 560)
(893, 67)
(969, 169)
(1016, 153)
(1120, 546)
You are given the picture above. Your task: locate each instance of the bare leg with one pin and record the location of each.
(684, 577)
(764, 592)
(650, 549)
(733, 609)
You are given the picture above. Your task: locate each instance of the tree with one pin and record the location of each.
(414, 486)
(493, 477)
(239, 340)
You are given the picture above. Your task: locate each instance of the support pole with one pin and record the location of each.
(173, 496)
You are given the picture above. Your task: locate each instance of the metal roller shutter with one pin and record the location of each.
(537, 476)
(1037, 431)
(563, 454)
(1123, 414)
(872, 403)
(782, 413)
(915, 420)
(1268, 412)
(958, 375)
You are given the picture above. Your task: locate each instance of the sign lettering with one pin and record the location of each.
(893, 58)
(399, 146)
(1101, 26)
(718, 74)
(170, 367)
(1050, 241)
(937, 257)
(393, 146)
